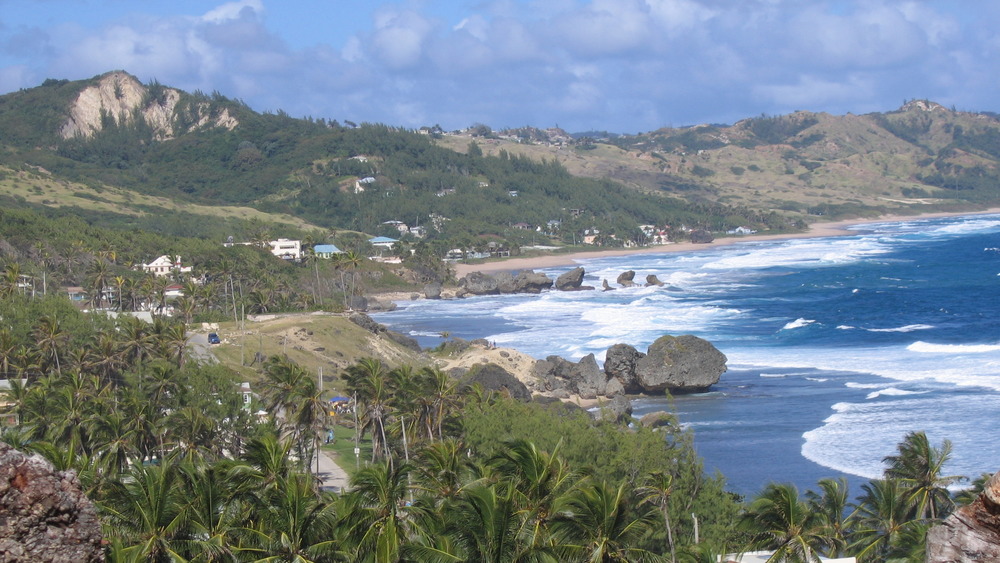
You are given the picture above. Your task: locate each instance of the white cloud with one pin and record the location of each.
(233, 11)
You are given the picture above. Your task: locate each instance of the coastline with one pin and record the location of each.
(816, 230)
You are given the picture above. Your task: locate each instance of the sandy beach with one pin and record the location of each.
(816, 230)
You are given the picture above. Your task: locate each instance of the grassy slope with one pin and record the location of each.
(39, 187)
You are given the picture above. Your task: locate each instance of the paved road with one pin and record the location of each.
(334, 478)
(199, 349)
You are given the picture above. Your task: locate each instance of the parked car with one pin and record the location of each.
(213, 338)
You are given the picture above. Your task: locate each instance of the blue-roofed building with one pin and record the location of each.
(382, 242)
(326, 250)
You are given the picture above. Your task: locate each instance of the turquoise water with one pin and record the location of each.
(837, 346)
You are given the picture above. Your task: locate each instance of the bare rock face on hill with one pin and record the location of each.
(492, 377)
(44, 516)
(680, 363)
(971, 533)
(583, 378)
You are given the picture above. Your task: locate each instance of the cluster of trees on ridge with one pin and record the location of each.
(180, 469)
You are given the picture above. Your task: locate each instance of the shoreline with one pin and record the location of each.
(816, 230)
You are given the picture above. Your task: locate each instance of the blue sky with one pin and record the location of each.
(624, 66)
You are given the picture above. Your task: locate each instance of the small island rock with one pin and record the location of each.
(680, 363)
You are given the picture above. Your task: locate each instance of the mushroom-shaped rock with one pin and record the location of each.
(681, 364)
(620, 365)
(432, 291)
(571, 280)
(625, 278)
(658, 419)
(606, 286)
(651, 279)
(44, 515)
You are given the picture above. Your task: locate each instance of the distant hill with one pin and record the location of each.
(128, 155)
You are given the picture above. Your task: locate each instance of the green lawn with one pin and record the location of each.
(343, 447)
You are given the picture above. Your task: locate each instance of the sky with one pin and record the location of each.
(624, 66)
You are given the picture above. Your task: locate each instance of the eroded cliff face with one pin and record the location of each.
(122, 97)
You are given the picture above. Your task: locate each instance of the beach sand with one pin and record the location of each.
(816, 230)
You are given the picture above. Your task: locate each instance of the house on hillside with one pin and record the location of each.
(382, 242)
(398, 225)
(326, 251)
(286, 249)
(164, 266)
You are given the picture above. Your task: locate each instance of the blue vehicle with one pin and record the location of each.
(213, 338)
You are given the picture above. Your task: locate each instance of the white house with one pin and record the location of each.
(286, 249)
(382, 242)
(163, 266)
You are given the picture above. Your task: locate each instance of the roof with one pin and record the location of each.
(326, 249)
(382, 240)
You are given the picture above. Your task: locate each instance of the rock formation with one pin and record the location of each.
(606, 286)
(651, 279)
(432, 291)
(492, 377)
(619, 364)
(572, 280)
(44, 516)
(526, 281)
(680, 363)
(618, 409)
(625, 278)
(971, 533)
(583, 378)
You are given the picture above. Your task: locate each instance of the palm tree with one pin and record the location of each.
(657, 491)
(146, 513)
(8, 345)
(919, 467)
(486, 525)
(777, 520)
(594, 523)
(50, 338)
(296, 524)
(368, 381)
(378, 519)
(882, 519)
(832, 503)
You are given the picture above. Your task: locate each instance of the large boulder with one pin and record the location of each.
(681, 364)
(492, 377)
(625, 278)
(651, 280)
(529, 281)
(583, 378)
(432, 290)
(572, 280)
(478, 283)
(971, 533)
(44, 515)
(618, 409)
(620, 365)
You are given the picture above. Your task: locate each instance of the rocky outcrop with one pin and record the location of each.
(525, 281)
(492, 377)
(620, 365)
(680, 363)
(625, 278)
(606, 286)
(121, 97)
(374, 327)
(971, 533)
(44, 515)
(572, 280)
(701, 236)
(658, 419)
(432, 291)
(618, 409)
(652, 280)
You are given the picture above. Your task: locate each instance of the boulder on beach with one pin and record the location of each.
(583, 378)
(652, 280)
(625, 278)
(478, 283)
(492, 377)
(618, 409)
(432, 291)
(681, 364)
(572, 280)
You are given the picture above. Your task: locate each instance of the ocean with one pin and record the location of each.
(837, 347)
